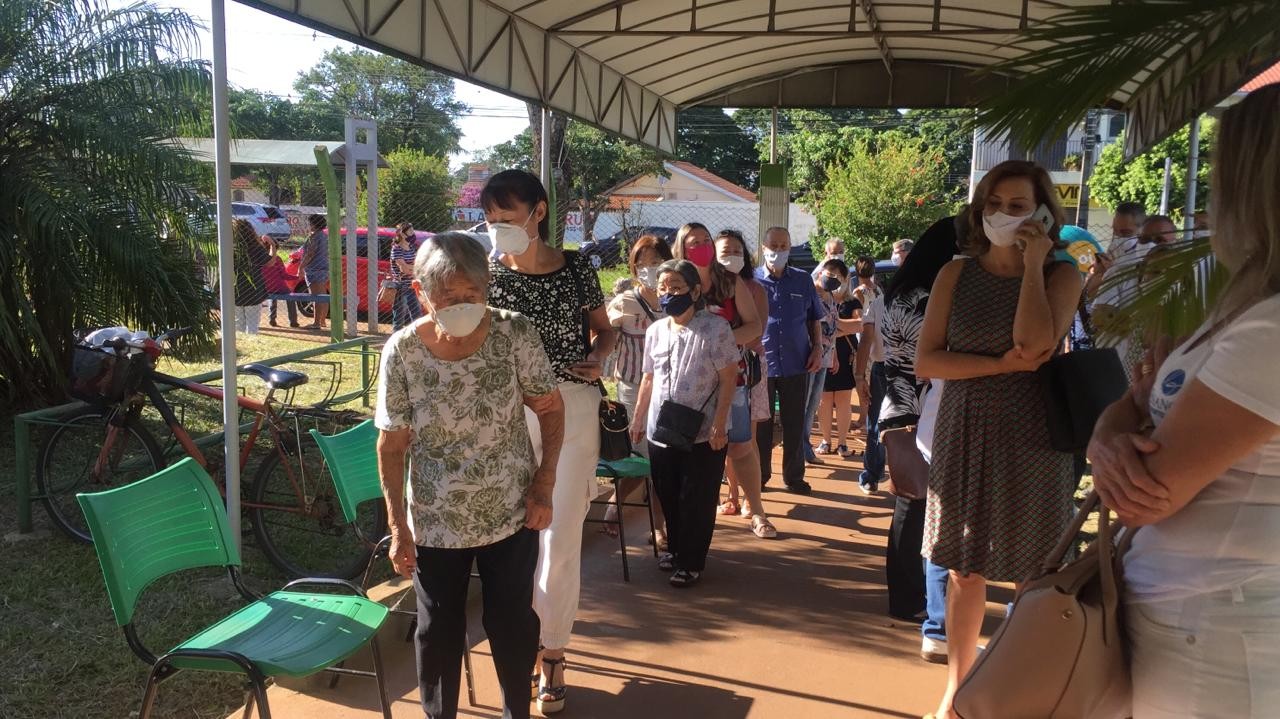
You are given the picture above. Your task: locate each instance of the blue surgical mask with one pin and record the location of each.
(675, 305)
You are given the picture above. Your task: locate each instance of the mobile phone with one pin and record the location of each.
(1044, 217)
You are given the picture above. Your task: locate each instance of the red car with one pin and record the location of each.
(293, 269)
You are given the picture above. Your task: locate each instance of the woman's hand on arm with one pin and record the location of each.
(392, 446)
(1116, 452)
(724, 398)
(1183, 462)
(550, 411)
(752, 326)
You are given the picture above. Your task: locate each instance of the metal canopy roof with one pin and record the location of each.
(627, 65)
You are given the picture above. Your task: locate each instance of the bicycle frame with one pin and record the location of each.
(263, 412)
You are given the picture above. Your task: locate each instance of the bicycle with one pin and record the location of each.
(291, 505)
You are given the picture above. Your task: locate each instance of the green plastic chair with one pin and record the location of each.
(352, 456)
(619, 469)
(174, 520)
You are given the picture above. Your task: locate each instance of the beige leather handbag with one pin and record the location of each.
(1061, 652)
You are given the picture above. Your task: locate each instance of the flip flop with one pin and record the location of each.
(728, 507)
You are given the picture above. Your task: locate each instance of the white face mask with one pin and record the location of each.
(776, 259)
(648, 276)
(459, 320)
(732, 263)
(1002, 229)
(897, 259)
(510, 239)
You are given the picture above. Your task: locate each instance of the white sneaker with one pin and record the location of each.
(933, 651)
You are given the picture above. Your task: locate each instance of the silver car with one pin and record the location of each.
(266, 219)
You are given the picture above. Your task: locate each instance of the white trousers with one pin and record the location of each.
(1214, 655)
(247, 319)
(558, 579)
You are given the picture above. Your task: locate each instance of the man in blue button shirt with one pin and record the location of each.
(792, 349)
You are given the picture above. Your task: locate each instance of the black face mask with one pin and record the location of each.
(676, 305)
(831, 284)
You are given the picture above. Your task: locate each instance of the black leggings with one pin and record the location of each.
(688, 483)
(506, 575)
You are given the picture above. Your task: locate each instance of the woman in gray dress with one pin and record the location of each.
(999, 495)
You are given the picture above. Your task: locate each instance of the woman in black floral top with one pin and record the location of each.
(559, 292)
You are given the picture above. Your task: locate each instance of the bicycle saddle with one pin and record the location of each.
(278, 378)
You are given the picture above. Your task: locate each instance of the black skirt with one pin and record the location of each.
(842, 380)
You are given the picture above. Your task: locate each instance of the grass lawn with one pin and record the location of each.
(63, 653)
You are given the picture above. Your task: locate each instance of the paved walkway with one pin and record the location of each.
(793, 628)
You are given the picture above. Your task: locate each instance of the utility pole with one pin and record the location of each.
(1086, 167)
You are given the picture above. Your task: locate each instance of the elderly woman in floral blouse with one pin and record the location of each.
(451, 398)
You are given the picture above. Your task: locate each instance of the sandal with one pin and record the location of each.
(667, 562)
(609, 529)
(746, 511)
(763, 528)
(684, 578)
(662, 539)
(846, 453)
(823, 448)
(729, 507)
(551, 696)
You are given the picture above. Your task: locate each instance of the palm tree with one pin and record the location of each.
(99, 222)
(1080, 58)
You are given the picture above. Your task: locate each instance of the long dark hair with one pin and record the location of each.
(509, 187)
(932, 252)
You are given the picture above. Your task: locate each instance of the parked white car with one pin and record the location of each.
(266, 219)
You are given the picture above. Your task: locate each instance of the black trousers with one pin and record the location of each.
(688, 483)
(506, 575)
(290, 307)
(792, 392)
(903, 567)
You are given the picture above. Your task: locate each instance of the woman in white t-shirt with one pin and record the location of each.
(1192, 456)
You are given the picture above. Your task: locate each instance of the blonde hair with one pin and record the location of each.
(1244, 213)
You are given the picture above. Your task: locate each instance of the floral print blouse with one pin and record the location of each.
(470, 460)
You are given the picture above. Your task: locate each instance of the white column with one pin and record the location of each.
(375, 246)
(352, 303)
(544, 152)
(226, 268)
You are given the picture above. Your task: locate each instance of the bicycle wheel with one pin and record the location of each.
(68, 456)
(299, 523)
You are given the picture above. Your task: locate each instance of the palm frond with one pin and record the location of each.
(1171, 292)
(1083, 57)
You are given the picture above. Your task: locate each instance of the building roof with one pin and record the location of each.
(1270, 76)
(692, 171)
(708, 177)
(280, 153)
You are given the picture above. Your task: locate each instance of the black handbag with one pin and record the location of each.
(677, 425)
(754, 369)
(1077, 387)
(615, 428)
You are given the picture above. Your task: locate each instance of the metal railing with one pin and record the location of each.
(52, 416)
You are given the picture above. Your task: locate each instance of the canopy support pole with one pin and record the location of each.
(773, 137)
(1168, 183)
(544, 151)
(226, 269)
(1193, 168)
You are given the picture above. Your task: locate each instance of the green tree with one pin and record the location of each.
(98, 222)
(416, 188)
(710, 139)
(414, 107)
(1141, 179)
(881, 192)
(258, 115)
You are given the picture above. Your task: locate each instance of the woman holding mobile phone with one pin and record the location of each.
(999, 494)
(559, 292)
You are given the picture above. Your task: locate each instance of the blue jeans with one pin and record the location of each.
(813, 396)
(405, 307)
(935, 594)
(873, 461)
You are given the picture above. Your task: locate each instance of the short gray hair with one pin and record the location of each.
(904, 246)
(446, 255)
